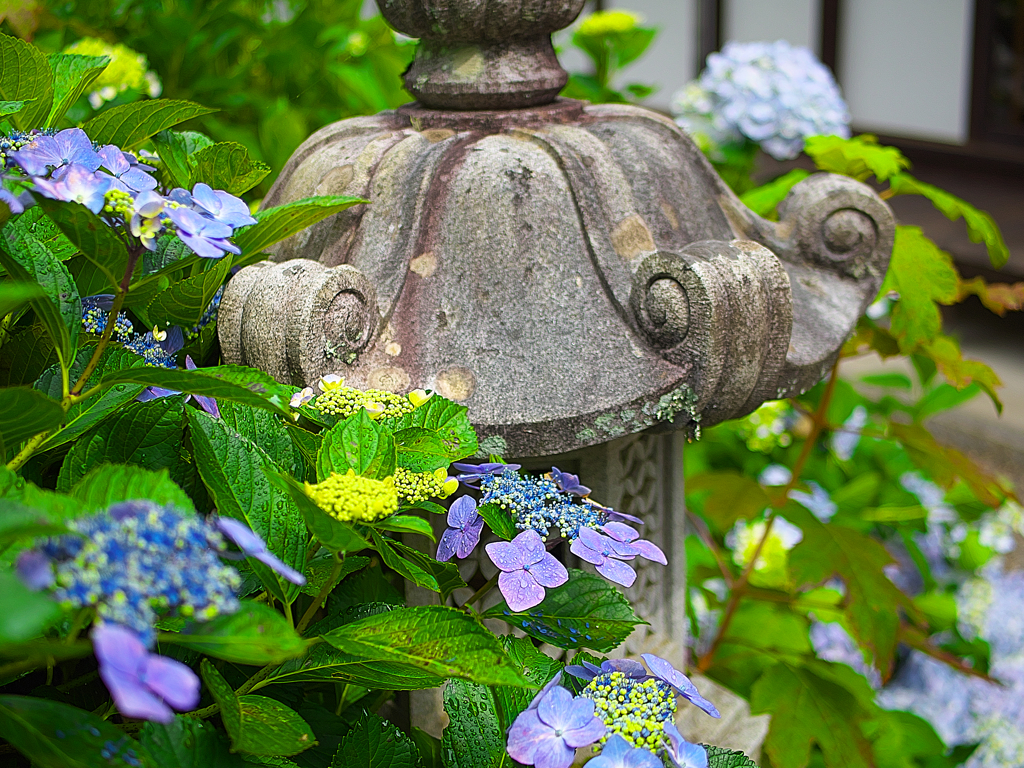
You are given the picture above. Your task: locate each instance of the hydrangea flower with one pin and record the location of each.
(221, 206)
(208, 404)
(253, 546)
(207, 237)
(646, 549)
(537, 503)
(9, 198)
(77, 185)
(301, 397)
(773, 94)
(146, 221)
(818, 501)
(681, 753)
(606, 554)
(126, 176)
(463, 532)
(680, 683)
(352, 498)
(471, 474)
(143, 684)
(568, 482)
(62, 151)
(588, 671)
(619, 753)
(547, 735)
(526, 569)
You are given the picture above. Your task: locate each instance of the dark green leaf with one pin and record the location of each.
(129, 124)
(55, 735)
(373, 742)
(93, 237)
(279, 223)
(406, 524)
(535, 666)
(421, 450)
(449, 420)
(25, 76)
(187, 742)
(255, 634)
(24, 614)
(35, 224)
(184, 302)
(174, 148)
(230, 382)
(429, 748)
(474, 735)
(13, 296)
(333, 534)
(19, 492)
(585, 612)
(420, 569)
(498, 520)
(25, 354)
(25, 412)
(21, 522)
(146, 434)
(72, 76)
(108, 484)
(227, 165)
(357, 443)
(733, 497)
(264, 429)
(720, 757)
(808, 709)
(435, 639)
(232, 469)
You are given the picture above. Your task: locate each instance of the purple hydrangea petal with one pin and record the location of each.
(592, 730)
(617, 571)
(629, 667)
(531, 545)
(650, 551)
(446, 547)
(621, 532)
(208, 404)
(682, 753)
(544, 691)
(614, 514)
(583, 552)
(35, 569)
(274, 563)
(581, 672)
(462, 512)
(506, 555)
(253, 546)
(8, 197)
(663, 670)
(553, 753)
(172, 681)
(568, 482)
(469, 539)
(122, 661)
(155, 393)
(549, 572)
(525, 734)
(520, 590)
(618, 753)
(554, 709)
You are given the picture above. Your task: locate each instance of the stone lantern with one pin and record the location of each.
(576, 274)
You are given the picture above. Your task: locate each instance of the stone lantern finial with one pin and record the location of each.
(476, 54)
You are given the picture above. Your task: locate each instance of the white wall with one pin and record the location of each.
(904, 66)
(796, 21)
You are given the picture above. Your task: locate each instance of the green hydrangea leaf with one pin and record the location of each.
(175, 148)
(357, 443)
(25, 76)
(474, 735)
(406, 524)
(449, 420)
(35, 224)
(433, 639)
(585, 612)
(24, 412)
(108, 484)
(255, 634)
(226, 165)
(8, 108)
(333, 534)
(498, 520)
(24, 614)
(55, 735)
(185, 301)
(94, 239)
(14, 296)
(860, 157)
(421, 450)
(25, 355)
(720, 757)
(420, 569)
(131, 124)
(535, 666)
(72, 76)
(764, 200)
(187, 742)
(373, 742)
(281, 222)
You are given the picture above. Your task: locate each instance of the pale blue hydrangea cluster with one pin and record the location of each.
(537, 503)
(773, 94)
(135, 561)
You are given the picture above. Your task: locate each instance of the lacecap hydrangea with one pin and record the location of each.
(773, 94)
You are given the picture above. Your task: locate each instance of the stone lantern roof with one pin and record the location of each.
(570, 272)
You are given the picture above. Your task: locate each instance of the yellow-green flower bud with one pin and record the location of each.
(354, 499)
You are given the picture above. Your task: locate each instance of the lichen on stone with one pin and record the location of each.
(680, 400)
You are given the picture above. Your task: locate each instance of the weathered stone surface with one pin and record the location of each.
(572, 273)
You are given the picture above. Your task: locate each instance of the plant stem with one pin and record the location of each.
(739, 588)
(483, 590)
(26, 452)
(307, 617)
(288, 612)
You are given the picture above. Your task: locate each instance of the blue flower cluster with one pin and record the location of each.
(135, 561)
(539, 504)
(773, 94)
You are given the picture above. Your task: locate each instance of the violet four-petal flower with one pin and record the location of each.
(526, 569)
(253, 546)
(143, 684)
(547, 736)
(205, 236)
(63, 151)
(568, 482)
(77, 185)
(619, 753)
(471, 474)
(606, 554)
(463, 532)
(682, 753)
(208, 404)
(125, 176)
(623, 533)
(680, 683)
(221, 206)
(35, 569)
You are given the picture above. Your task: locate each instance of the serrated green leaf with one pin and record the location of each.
(226, 165)
(14, 296)
(175, 147)
(281, 222)
(24, 614)
(434, 639)
(860, 157)
(720, 757)
(421, 570)
(93, 237)
(963, 374)
(25, 76)
(421, 450)
(981, 227)
(232, 469)
(406, 524)
(184, 302)
(373, 742)
(535, 666)
(35, 224)
(145, 434)
(17, 491)
(764, 200)
(263, 428)
(130, 124)
(585, 612)
(873, 601)
(25, 354)
(24, 412)
(334, 535)
(88, 413)
(187, 742)
(55, 735)
(108, 484)
(498, 520)
(60, 311)
(808, 709)
(924, 277)
(449, 420)
(732, 497)
(357, 443)
(230, 382)
(474, 735)
(255, 634)
(72, 76)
